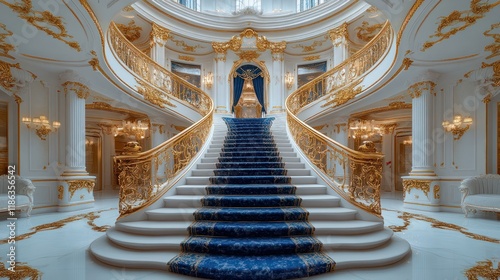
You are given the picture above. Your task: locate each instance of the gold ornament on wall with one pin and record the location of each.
(80, 185)
(366, 32)
(416, 89)
(312, 47)
(458, 21)
(44, 21)
(94, 61)
(436, 190)
(185, 46)
(7, 81)
(311, 57)
(186, 58)
(484, 270)
(409, 184)
(248, 55)
(130, 30)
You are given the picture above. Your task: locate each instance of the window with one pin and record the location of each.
(303, 5)
(192, 4)
(253, 4)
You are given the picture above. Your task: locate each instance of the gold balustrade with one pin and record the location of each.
(156, 83)
(145, 177)
(340, 84)
(356, 176)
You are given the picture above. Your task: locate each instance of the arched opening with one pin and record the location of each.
(248, 92)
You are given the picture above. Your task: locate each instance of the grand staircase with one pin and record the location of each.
(250, 210)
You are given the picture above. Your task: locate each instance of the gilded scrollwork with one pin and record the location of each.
(407, 62)
(185, 46)
(249, 55)
(94, 61)
(131, 31)
(159, 33)
(366, 32)
(75, 185)
(311, 57)
(5, 47)
(458, 21)
(44, 21)
(494, 48)
(81, 90)
(144, 177)
(415, 90)
(312, 47)
(7, 81)
(338, 34)
(60, 192)
(423, 185)
(186, 58)
(153, 95)
(436, 191)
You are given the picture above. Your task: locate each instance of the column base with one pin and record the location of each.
(421, 193)
(75, 193)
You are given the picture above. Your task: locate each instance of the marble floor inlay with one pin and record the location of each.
(61, 253)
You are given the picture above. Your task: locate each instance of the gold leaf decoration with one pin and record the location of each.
(458, 21)
(80, 185)
(5, 48)
(310, 48)
(153, 95)
(44, 21)
(483, 270)
(249, 55)
(22, 271)
(423, 185)
(311, 57)
(131, 31)
(366, 32)
(185, 46)
(186, 58)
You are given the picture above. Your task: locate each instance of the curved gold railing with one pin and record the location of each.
(357, 176)
(341, 83)
(145, 177)
(149, 71)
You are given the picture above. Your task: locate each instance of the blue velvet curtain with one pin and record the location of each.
(258, 84)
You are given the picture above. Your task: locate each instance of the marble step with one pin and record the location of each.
(204, 180)
(187, 214)
(171, 228)
(172, 242)
(289, 165)
(216, 159)
(305, 189)
(194, 201)
(112, 254)
(290, 172)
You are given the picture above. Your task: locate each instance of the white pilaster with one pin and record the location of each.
(277, 89)
(159, 37)
(221, 86)
(338, 36)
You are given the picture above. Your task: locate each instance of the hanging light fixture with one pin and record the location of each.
(135, 128)
(363, 129)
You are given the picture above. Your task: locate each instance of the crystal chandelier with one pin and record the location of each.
(363, 129)
(135, 128)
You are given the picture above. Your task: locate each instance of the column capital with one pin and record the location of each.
(220, 47)
(159, 34)
(416, 89)
(339, 34)
(277, 47)
(13, 77)
(220, 57)
(71, 82)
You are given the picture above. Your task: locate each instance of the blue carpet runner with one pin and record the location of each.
(251, 225)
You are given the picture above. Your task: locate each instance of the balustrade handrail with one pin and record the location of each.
(357, 175)
(156, 83)
(146, 176)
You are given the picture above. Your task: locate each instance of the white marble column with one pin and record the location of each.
(338, 36)
(159, 37)
(75, 190)
(422, 125)
(277, 88)
(221, 85)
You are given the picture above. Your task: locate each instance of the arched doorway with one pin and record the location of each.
(248, 92)
(264, 74)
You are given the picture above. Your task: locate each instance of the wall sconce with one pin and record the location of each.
(136, 128)
(289, 80)
(41, 125)
(458, 127)
(208, 80)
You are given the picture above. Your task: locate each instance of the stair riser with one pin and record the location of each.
(295, 180)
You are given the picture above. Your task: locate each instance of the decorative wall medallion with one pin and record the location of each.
(80, 185)
(366, 32)
(131, 31)
(458, 21)
(44, 21)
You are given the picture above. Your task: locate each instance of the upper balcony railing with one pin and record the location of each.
(145, 177)
(356, 175)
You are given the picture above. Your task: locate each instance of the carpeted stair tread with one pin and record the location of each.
(246, 171)
(251, 246)
(251, 189)
(251, 159)
(251, 200)
(250, 228)
(227, 165)
(270, 267)
(251, 214)
(259, 179)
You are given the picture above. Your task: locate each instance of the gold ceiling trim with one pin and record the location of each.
(94, 61)
(44, 21)
(494, 48)
(408, 17)
(5, 47)
(186, 57)
(130, 30)
(458, 21)
(366, 32)
(311, 58)
(406, 216)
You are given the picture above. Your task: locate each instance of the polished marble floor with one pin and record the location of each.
(444, 246)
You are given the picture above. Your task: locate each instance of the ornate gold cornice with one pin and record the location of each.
(338, 34)
(277, 47)
(261, 43)
(131, 31)
(81, 90)
(159, 33)
(416, 89)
